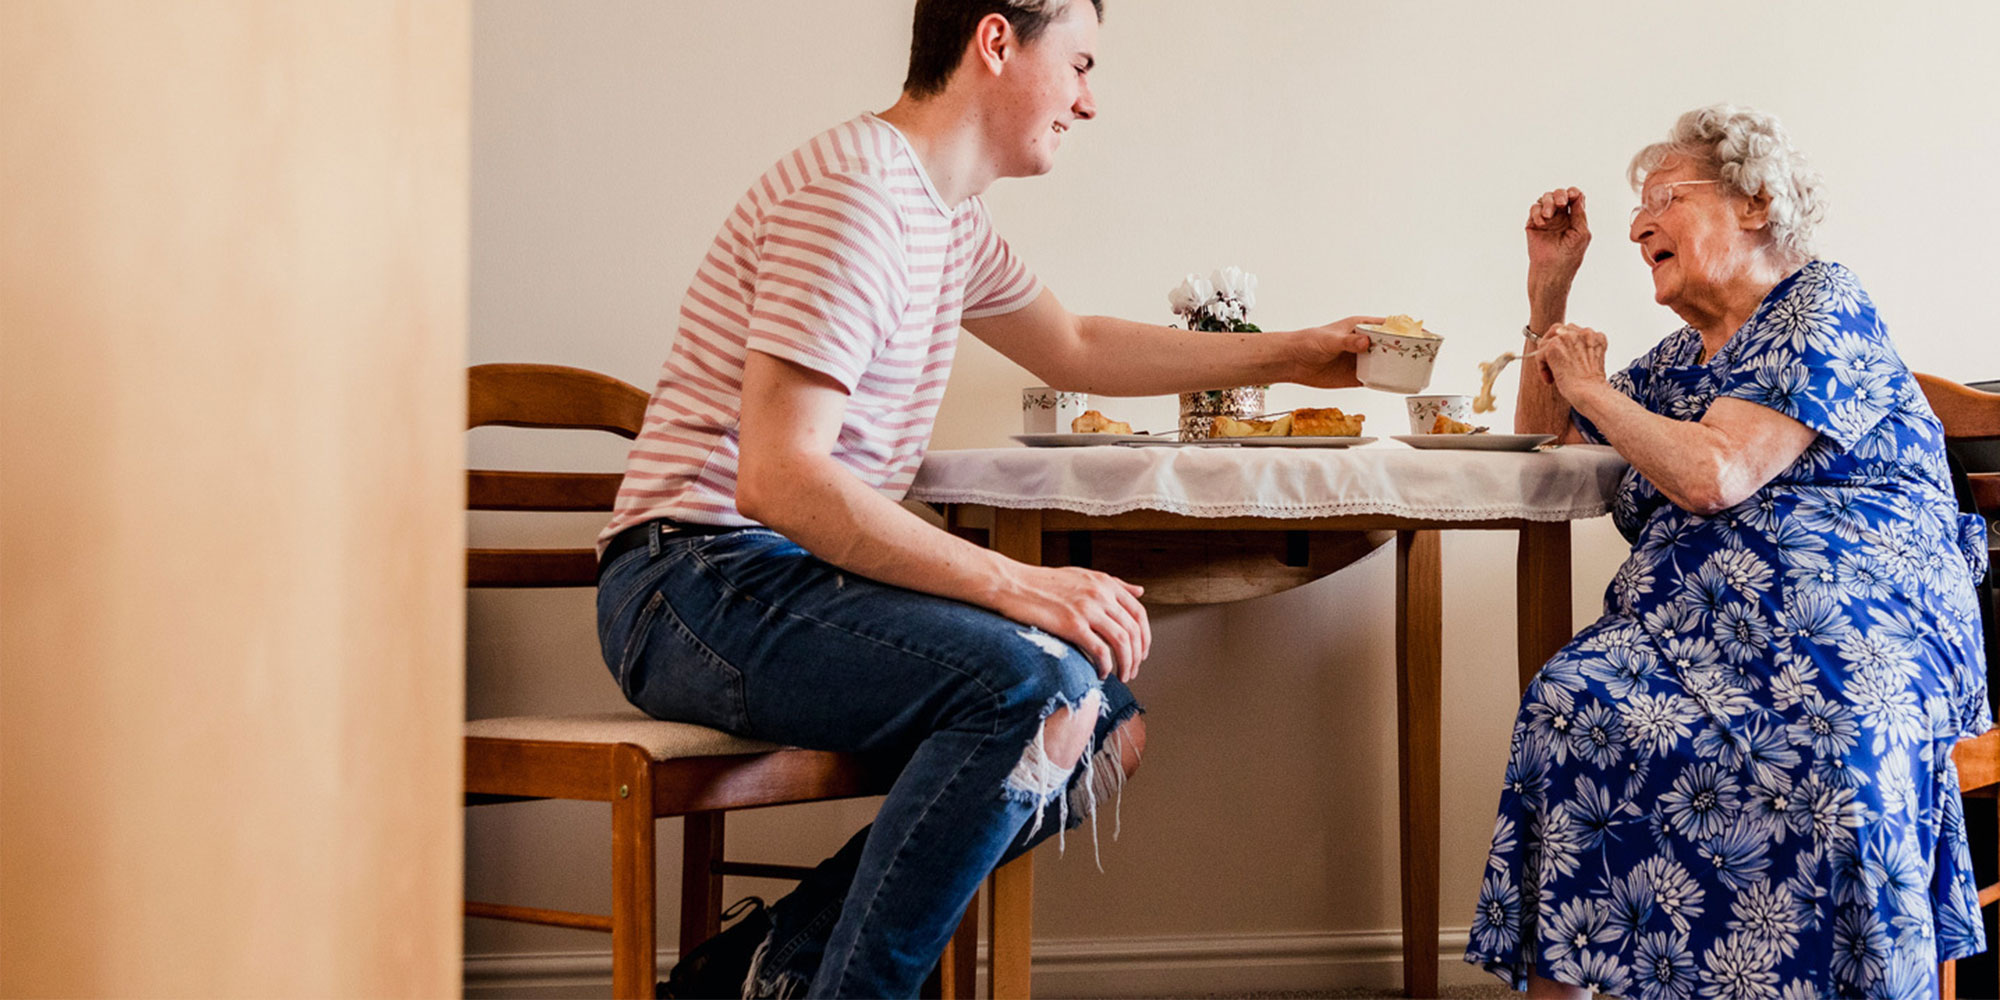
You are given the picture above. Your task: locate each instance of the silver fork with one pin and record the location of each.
(1509, 357)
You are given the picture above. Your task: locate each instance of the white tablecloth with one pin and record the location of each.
(1563, 484)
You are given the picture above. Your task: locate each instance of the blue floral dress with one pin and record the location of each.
(1738, 782)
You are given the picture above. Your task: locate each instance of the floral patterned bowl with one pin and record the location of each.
(1396, 362)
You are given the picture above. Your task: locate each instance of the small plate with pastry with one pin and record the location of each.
(1302, 428)
(1092, 428)
(1085, 440)
(1305, 427)
(1305, 441)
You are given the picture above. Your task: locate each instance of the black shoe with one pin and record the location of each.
(715, 969)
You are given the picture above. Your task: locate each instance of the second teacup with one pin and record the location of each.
(1424, 410)
(1047, 411)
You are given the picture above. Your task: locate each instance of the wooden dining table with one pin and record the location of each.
(1202, 525)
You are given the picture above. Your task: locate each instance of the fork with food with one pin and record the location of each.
(1490, 370)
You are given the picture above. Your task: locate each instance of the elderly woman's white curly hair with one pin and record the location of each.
(1750, 152)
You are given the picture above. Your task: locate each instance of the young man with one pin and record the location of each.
(759, 575)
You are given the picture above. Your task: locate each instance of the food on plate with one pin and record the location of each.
(1095, 422)
(1446, 425)
(1326, 422)
(1306, 421)
(1229, 427)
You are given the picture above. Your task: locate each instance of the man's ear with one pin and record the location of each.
(993, 43)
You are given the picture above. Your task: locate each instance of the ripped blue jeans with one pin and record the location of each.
(744, 631)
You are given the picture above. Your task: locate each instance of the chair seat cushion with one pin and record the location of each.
(660, 740)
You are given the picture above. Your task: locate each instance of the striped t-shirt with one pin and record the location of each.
(841, 258)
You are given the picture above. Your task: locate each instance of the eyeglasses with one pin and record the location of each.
(1656, 199)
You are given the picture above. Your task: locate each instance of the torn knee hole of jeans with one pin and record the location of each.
(1075, 789)
(1036, 778)
(1102, 775)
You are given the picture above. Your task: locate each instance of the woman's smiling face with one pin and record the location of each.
(1697, 240)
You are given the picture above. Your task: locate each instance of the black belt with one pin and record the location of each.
(640, 536)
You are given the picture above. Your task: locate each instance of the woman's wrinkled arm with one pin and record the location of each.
(1705, 466)
(1558, 231)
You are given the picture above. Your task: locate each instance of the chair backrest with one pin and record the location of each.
(1970, 415)
(554, 397)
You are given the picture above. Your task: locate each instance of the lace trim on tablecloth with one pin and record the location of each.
(1338, 508)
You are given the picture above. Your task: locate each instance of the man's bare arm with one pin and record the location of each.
(1116, 357)
(788, 480)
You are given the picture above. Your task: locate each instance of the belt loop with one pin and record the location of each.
(653, 540)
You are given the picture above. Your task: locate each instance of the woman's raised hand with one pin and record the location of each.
(1558, 234)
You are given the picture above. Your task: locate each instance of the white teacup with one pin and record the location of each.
(1046, 411)
(1424, 410)
(1396, 362)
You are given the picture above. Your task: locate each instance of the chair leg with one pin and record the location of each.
(633, 937)
(701, 887)
(957, 972)
(1012, 893)
(1947, 981)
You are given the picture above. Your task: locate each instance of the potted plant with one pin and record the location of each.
(1221, 302)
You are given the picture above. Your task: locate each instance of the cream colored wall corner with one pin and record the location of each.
(232, 336)
(1359, 157)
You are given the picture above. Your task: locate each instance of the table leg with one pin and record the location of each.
(1419, 724)
(1017, 534)
(1542, 595)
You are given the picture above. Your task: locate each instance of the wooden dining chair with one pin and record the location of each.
(643, 768)
(1971, 415)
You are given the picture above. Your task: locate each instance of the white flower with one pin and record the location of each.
(1191, 294)
(1220, 302)
(1236, 283)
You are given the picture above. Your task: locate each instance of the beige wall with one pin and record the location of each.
(1357, 157)
(232, 297)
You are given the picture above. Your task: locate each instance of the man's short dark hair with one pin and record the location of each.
(943, 27)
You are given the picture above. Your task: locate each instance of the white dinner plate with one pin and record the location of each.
(1081, 440)
(1475, 442)
(1255, 442)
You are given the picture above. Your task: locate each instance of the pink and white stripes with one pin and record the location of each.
(843, 259)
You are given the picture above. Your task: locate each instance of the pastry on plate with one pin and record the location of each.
(1326, 421)
(1229, 427)
(1446, 425)
(1094, 422)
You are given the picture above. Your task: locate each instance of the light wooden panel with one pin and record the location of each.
(233, 302)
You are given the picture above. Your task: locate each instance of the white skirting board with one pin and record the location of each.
(1182, 965)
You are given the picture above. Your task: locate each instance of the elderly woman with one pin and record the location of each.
(1738, 782)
